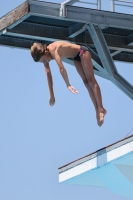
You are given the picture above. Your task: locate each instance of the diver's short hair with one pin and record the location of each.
(37, 51)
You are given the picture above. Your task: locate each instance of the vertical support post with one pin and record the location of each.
(112, 4)
(99, 4)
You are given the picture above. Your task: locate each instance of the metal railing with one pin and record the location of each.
(97, 3)
(120, 3)
(71, 2)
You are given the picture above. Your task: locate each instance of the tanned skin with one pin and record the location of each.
(61, 49)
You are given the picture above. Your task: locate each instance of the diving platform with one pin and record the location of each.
(108, 35)
(110, 167)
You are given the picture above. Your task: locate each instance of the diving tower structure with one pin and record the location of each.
(110, 167)
(108, 35)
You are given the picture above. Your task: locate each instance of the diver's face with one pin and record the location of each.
(46, 58)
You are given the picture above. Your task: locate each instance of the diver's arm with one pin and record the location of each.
(50, 83)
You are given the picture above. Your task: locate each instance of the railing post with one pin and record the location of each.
(112, 5)
(99, 4)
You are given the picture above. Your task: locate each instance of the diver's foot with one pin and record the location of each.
(100, 116)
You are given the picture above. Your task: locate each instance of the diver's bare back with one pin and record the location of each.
(64, 49)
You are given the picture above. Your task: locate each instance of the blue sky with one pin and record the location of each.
(36, 139)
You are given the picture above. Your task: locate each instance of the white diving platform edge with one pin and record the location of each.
(110, 167)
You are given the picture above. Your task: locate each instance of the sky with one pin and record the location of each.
(36, 139)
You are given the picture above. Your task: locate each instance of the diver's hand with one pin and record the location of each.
(52, 101)
(72, 89)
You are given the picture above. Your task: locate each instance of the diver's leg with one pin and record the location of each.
(89, 72)
(80, 70)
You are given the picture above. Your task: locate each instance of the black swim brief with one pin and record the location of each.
(81, 51)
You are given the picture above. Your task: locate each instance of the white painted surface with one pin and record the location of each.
(120, 151)
(93, 163)
(84, 167)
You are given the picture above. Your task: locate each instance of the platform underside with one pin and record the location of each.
(40, 21)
